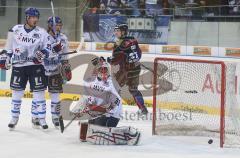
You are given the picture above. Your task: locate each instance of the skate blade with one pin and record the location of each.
(57, 127)
(12, 129)
(35, 127)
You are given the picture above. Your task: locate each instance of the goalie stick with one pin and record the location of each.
(86, 110)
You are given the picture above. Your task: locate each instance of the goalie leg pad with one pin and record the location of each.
(112, 135)
(83, 131)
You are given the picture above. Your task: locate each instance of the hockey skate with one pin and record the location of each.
(43, 123)
(35, 123)
(134, 136)
(142, 111)
(55, 121)
(13, 123)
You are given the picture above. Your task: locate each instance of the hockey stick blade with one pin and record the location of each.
(61, 124)
(67, 53)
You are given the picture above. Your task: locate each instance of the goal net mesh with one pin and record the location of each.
(196, 98)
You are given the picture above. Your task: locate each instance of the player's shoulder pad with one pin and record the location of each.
(16, 27)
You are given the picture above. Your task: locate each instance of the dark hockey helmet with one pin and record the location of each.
(32, 12)
(58, 20)
(122, 27)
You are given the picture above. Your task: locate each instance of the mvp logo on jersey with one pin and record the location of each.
(28, 40)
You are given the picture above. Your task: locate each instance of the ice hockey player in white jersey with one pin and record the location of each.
(27, 45)
(57, 67)
(102, 106)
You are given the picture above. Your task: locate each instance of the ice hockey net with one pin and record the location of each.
(196, 98)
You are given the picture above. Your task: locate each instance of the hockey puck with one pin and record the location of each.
(210, 141)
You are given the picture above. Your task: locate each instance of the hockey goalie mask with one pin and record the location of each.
(103, 71)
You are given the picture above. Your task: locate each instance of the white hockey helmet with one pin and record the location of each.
(103, 71)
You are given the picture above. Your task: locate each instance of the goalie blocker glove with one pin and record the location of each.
(98, 60)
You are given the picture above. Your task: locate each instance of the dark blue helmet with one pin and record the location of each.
(122, 27)
(58, 20)
(32, 12)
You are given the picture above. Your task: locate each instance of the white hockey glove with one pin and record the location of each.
(5, 61)
(39, 56)
(87, 108)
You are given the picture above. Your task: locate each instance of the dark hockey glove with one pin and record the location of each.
(96, 60)
(66, 71)
(39, 56)
(57, 47)
(109, 60)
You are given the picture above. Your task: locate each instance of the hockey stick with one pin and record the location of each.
(59, 55)
(53, 15)
(67, 53)
(61, 123)
(95, 108)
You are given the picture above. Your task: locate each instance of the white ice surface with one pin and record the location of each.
(26, 142)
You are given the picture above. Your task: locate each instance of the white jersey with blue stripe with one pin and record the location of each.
(25, 43)
(53, 62)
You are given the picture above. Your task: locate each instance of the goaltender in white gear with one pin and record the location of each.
(102, 106)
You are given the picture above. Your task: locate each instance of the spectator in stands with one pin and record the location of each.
(234, 7)
(154, 7)
(132, 7)
(225, 10)
(211, 7)
(111, 6)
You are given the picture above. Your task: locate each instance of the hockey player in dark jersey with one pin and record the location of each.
(127, 54)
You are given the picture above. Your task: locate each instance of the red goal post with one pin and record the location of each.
(164, 93)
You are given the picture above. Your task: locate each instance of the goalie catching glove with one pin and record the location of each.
(87, 108)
